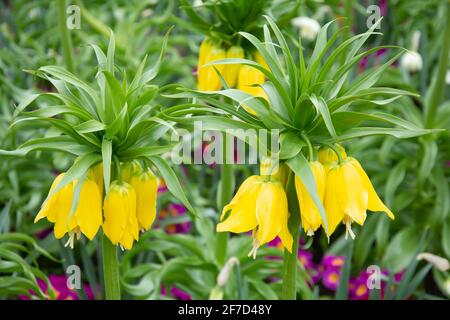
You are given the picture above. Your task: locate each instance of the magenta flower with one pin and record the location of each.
(62, 292)
(176, 293)
(172, 211)
(331, 261)
(306, 258)
(358, 290)
(330, 278)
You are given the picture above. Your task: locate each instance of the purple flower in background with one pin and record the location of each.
(358, 290)
(172, 211)
(331, 261)
(315, 275)
(383, 7)
(330, 278)
(399, 276)
(306, 258)
(176, 293)
(59, 285)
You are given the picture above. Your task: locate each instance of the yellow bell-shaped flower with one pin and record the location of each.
(208, 79)
(146, 186)
(87, 216)
(310, 215)
(348, 195)
(232, 70)
(249, 80)
(272, 216)
(121, 223)
(261, 206)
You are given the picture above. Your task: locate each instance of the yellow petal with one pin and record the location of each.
(64, 205)
(248, 77)
(96, 174)
(311, 218)
(232, 70)
(118, 205)
(204, 50)
(351, 195)
(249, 182)
(48, 208)
(146, 187)
(271, 212)
(208, 79)
(89, 210)
(374, 202)
(332, 209)
(243, 212)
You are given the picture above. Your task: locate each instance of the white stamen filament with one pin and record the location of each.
(69, 242)
(349, 231)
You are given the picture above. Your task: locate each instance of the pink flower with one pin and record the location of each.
(330, 278)
(175, 210)
(331, 261)
(176, 293)
(62, 292)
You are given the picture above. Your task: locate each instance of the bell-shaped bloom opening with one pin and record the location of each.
(272, 215)
(243, 208)
(310, 215)
(119, 211)
(88, 214)
(146, 187)
(374, 202)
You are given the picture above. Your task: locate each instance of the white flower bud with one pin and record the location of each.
(412, 61)
(309, 28)
(198, 3)
(224, 274)
(447, 77)
(441, 263)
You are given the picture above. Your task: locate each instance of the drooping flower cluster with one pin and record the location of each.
(260, 205)
(129, 206)
(242, 77)
(344, 189)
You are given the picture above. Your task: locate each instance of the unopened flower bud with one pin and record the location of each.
(412, 61)
(309, 28)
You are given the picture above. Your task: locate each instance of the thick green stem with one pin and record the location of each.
(226, 188)
(110, 270)
(438, 86)
(291, 259)
(66, 41)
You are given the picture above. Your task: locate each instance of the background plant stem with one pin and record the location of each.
(291, 259)
(226, 189)
(66, 41)
(437, 88)
(110, 270)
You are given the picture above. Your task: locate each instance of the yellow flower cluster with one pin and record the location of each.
(344, 189)
(129, 206)
(260, 205)
(242, 77)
